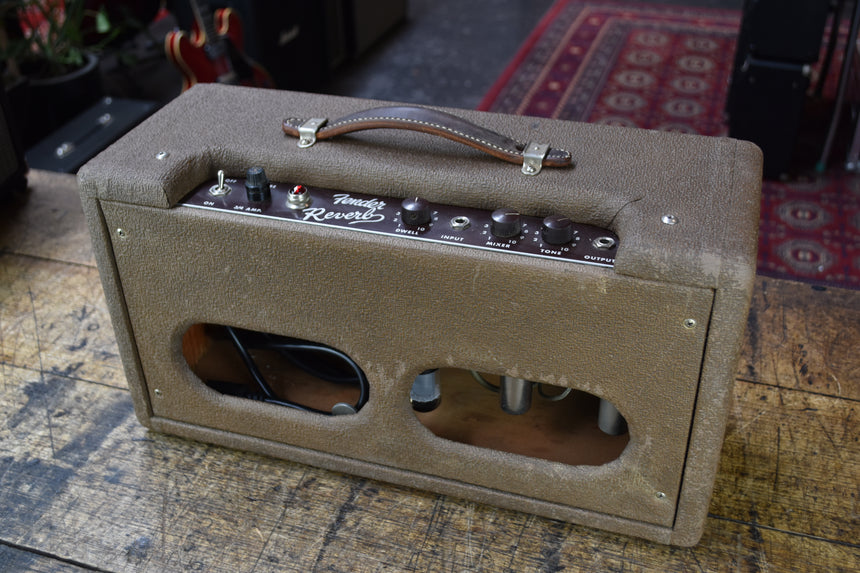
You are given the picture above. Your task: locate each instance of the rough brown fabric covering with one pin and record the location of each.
(174, 267)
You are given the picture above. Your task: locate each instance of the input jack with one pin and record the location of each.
(460, 223)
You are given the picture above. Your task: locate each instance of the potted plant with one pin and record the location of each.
(48, 49)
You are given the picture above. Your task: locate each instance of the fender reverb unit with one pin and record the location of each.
(536, 314)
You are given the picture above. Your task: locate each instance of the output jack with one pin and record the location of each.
(604, 243)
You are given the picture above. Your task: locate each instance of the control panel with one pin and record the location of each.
(504, 230)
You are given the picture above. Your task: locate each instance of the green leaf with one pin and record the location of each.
(102, 21)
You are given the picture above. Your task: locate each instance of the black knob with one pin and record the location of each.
(557, 230)
(415, 211)
(257, 185)
(506, 223)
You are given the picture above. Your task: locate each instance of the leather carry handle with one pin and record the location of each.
(532, 156)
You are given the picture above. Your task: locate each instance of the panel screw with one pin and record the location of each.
(157, 392)
(122, 234)
(669, 219)
(162, 155)
(689, 323)
(661, 495)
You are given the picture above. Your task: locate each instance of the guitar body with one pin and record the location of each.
(193, 56)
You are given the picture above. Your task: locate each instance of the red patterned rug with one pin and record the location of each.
(667, 68)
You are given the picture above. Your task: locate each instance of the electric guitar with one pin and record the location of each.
(212, 52)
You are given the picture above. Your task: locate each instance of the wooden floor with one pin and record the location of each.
(84, 487)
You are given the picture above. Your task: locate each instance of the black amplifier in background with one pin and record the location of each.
(777, 43)
(299, 43)
(783, 30)
(295, 41)
(89, 132)
(767, 100)
(13, 169)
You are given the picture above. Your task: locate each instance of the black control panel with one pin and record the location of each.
(505, 230)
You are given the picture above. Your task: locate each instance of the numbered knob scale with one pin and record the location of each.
(506, 223)
(415, 211)
(556, 230)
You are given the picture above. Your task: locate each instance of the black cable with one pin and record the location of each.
(250, 364)
(360, 378)
(285, 347)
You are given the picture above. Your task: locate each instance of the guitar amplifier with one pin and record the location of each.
(13, 168)
(551, 326)
(765, 106)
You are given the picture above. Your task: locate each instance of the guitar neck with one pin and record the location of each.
(206, 23)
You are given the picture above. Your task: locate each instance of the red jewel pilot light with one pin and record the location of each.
(298, 197)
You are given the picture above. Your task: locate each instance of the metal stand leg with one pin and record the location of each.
(831, 48)
(843, 86)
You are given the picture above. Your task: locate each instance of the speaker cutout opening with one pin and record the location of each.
(520, 417)
(297, 374)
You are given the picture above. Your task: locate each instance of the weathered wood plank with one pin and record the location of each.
(725, 546)
(82, 479)
(47, 221)
(791, 461)
(53, 318)
(20, 561)
(803, 337)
